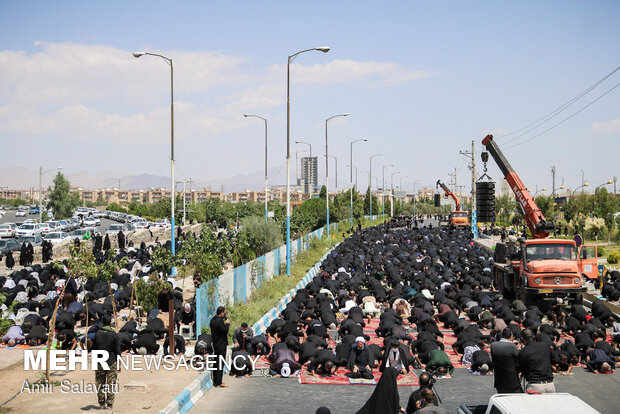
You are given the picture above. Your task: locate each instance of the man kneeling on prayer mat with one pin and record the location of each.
(361, 360)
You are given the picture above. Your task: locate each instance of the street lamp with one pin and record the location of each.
(172, 189)
(310, 190)
(292, 57)
(41, 172)
(392, 193)
(336, 161)
(307, 143)
(355, 168)
(605, 183)
(327, 167)
(370, 182)
(383, 189)
(584, 185)
(185, 181)
(266, 181)
(400, 188)
(351, 174)
(538, 191)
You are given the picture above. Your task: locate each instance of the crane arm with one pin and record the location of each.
(536, 222)
(457, 202)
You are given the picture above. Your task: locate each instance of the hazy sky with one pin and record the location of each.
(420, 79)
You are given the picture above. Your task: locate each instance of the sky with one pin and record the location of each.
(421, 80)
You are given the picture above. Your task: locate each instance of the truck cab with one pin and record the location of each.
(541, 271)
(459, 219)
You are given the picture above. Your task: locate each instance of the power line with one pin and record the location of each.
(564, 120)
(556, 111)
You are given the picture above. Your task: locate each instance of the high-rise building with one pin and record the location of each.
(309, 175)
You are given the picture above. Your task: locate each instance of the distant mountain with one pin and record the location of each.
(16, 178)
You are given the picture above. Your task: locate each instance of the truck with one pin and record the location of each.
(540, 270)
(564, 403)
(457, 218)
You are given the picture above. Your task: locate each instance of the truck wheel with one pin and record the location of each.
(578, 299)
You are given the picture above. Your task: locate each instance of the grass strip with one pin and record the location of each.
(271, 291)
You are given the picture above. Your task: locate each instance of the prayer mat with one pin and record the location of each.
(339, 378)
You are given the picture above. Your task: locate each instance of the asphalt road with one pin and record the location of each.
(284, 396)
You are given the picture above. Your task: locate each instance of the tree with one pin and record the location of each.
(375, 203)
(547, 206)
(309, 216)
(323, 193)
(61, 200)
(263, 236)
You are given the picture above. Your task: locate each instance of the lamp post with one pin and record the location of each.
(266, 181)
(336, 161)
(605, 183)
(581, 186)
(392, 193)
(538, 191)
(41, 172)
(355, 168)
(370, 182)
(351, 173)
(383, 189)
(292, 57)
(327, 167)
(310, 191)
(582, 182)
(184, 182)
(400, 188)
(172, 189)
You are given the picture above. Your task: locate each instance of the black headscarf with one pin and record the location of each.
(385, 398)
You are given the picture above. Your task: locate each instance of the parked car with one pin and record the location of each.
(141, 225)
(162, 223)
(9, 245)
(79, 233)
(7, 231)
(34, 240)
(45, 228)
(90, 221)
(20, 213)
(55, 226)
(56, 237)
(33, 210)
(115, 228)
(28, 229)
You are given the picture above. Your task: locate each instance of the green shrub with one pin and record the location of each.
(263, 236)
(600, 251)
(5, 324)
(613, 257)
(146, 292)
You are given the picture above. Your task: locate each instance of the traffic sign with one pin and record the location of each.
(578, 240)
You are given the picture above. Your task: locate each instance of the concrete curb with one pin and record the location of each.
(182, 403)
(190, 395)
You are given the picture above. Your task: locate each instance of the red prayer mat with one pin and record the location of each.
(339, 378)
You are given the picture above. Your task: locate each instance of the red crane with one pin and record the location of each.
(539, 227)
(451, 194)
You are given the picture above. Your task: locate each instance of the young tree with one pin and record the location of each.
(61, 200)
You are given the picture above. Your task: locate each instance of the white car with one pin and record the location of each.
(56, 237)
(91, 222)
(141, 225)
(164, 223)
(28, 229)
(45, 228)
(6, 230)
(20, 213)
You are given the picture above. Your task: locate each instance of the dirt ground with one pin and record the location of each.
(153, 390)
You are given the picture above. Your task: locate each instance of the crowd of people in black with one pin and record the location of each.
(423, 283)
(33, 292)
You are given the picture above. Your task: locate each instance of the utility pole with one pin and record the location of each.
(453, 181)
(615, 179)
(553, 183)
(474, 219)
